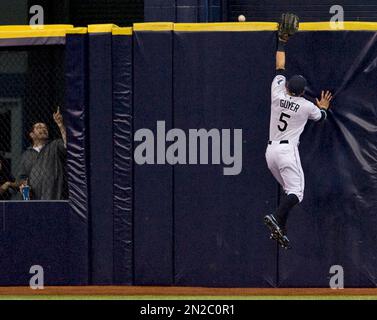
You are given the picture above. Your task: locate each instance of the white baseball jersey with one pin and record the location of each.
(289, 115)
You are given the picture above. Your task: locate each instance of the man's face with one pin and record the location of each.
(40, 132)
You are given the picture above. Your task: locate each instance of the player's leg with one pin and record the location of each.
(293, 177)
(285, 206)
(277, 233)
(272, 158)
(302, 172)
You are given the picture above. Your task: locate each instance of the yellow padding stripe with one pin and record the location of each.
(101, 28)
(34, 27)
(14, 32)
(77, 31)
(253, 26)
(9, 32)
(122, 31)
(336, 26)
(230, 26)
(154, 26)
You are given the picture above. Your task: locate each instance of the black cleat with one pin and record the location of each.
(284, 242)
(277, 232)
(271, 222)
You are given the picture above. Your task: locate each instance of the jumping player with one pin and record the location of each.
(289, 114)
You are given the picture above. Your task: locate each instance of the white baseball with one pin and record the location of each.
(241, 18)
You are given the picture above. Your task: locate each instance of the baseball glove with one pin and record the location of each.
(288, 26)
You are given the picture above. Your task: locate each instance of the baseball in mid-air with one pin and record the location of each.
(241, 18)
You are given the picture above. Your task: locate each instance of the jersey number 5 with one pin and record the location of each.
(285, 124)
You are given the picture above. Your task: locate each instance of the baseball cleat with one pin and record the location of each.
(276, 232)
(284, 242)
(271, 222)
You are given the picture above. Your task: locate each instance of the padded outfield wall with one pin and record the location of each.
(189, 224)
(195, 226)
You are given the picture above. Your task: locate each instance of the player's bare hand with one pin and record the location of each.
(326, 97)
(58, 118)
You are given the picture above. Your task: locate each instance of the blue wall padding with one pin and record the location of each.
(48, 234)
(336, 223)
(78, 269)
(189, 224)
(101, 157)
(222, 80)
(76, 106)
(153, 184)
(122, 135)
(5, 260)
(220, 83)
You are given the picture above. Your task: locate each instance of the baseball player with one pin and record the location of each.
(289, 114)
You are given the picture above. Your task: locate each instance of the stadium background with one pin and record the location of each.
(127, 12)
(117, 229)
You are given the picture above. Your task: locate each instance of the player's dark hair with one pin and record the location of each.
(296, 85)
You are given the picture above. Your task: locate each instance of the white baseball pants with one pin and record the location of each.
(284, 162)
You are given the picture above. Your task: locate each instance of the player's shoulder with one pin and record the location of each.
(278, 83)
(279, 77)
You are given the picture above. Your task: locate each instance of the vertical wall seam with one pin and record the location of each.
(173, 167)
(277, 245)
(113, 152)
(132, 157)
(3, 213)
(89, 166)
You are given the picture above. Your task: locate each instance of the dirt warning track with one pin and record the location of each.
(182, 291)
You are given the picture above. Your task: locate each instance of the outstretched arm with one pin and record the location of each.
(280, 56)
(288, 26)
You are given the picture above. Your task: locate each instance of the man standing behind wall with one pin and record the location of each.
(43, 163)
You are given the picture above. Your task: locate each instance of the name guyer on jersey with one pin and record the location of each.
(290, 105)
